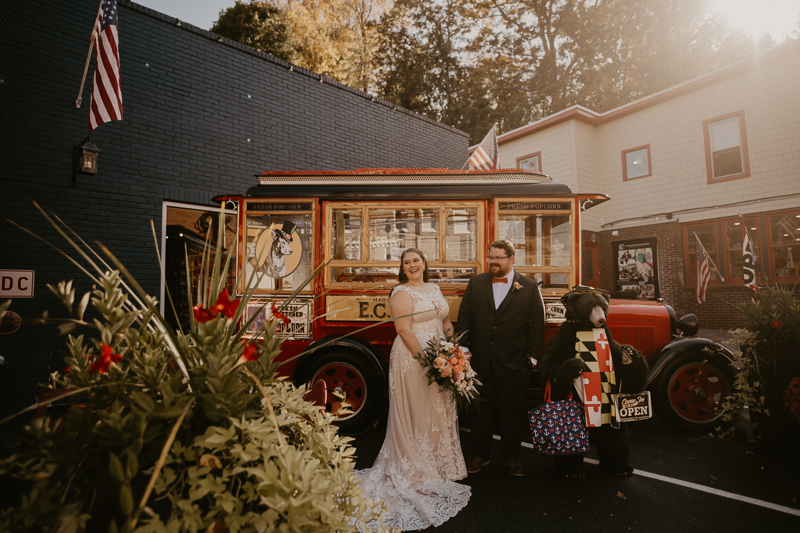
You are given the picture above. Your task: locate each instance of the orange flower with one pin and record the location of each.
(202, 315)
(775, 324)
(453, 361)
(224, 305)
(280, 316)
(105, 360)
(250, 353)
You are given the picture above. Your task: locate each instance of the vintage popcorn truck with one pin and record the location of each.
(345, 231)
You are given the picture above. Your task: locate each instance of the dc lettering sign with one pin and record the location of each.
(16, 283)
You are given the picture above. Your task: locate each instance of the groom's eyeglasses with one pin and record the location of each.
(495, 259)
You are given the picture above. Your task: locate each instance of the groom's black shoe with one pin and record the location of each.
(514, 467)
(475, 464)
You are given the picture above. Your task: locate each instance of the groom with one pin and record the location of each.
(502, 313)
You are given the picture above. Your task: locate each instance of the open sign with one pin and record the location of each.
(631, 407)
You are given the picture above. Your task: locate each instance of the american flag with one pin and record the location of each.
(703, 270)
(484, 157)
(106, 93)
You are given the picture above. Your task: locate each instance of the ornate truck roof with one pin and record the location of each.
(416, 183)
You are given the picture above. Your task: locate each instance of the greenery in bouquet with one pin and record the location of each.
(448, 365)
(178, 430)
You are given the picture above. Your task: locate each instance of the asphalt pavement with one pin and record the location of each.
(682, 482)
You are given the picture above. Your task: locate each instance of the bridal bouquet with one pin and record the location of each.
(448, 366)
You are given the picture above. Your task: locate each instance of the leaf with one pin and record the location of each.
(66, 327)
(621, 496)
(144, 400)
(82, 305)
(133, 465)
(126, 499)
(115, 468)
(211, 461)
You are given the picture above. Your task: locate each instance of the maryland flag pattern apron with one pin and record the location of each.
(599, 383)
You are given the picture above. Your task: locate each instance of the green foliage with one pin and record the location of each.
(747, 387)
(172, 431)
(774, 315)
(258, 25)
(767, 357)
(517, 61)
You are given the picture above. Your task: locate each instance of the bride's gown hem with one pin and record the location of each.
(416, 469)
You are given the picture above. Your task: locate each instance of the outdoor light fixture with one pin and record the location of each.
(85, 158)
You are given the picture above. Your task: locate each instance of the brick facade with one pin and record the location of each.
(201, 118)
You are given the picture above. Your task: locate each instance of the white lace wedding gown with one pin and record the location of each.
(421, 456)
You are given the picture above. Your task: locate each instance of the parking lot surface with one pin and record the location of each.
(682, 482)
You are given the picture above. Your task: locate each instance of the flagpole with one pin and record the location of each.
(88, 57)
(721, 277)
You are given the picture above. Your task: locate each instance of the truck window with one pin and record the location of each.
(366, 241)
(542, 232)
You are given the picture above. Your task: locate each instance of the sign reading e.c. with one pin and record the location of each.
(16, 283)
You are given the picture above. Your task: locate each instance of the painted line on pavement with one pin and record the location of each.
(690, 485)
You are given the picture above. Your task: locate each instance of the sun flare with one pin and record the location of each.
(780, 18)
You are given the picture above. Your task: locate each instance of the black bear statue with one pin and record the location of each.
(583, 348)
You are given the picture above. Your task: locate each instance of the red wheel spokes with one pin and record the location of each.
(341, 378)
(697, 391)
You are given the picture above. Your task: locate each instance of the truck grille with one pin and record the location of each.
(640, 337)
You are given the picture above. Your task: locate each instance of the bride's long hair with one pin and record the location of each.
(402, 275)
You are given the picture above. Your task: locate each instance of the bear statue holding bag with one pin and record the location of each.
(582, 360)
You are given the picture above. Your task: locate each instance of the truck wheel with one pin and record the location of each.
(351, 380)
(690, 391)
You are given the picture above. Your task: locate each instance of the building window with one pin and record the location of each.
(636, 163)
(784, 245)
(726, 148)
(707, 232)
(530, 162)
(733, 234)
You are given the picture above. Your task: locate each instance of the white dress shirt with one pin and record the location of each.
(500, 290)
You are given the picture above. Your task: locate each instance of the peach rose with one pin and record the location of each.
(439, 362)
(453, 361)
(445, 372)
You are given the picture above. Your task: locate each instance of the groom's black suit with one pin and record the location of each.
(502, 341)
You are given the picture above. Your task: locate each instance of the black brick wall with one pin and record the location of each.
(201, 117)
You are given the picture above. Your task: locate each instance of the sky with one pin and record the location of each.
(779, 17)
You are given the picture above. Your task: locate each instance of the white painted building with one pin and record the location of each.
(700, 157)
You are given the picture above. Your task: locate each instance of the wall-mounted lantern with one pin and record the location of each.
(85, 156)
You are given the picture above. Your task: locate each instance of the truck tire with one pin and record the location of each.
(351, 379)
(690, 391)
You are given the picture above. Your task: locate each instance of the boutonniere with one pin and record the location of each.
(517, 287)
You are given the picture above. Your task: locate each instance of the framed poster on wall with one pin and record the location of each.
(636, 267)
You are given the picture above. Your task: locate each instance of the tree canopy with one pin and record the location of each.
(473, 63)
(258, 25)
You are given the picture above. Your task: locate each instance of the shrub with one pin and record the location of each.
(179, 431)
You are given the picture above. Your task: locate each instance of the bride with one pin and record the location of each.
(421, 456)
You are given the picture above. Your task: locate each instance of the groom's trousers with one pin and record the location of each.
(504, 400)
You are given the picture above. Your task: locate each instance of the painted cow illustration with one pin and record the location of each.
(281, 247)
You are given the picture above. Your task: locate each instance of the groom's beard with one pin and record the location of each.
(497, 271)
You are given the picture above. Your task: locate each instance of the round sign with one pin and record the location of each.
(280, 248)
(11, 322)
